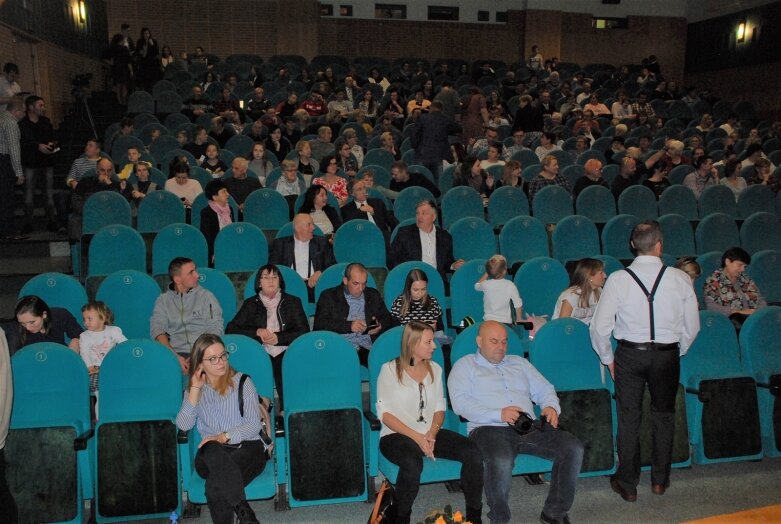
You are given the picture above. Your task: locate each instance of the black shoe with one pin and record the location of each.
(245, 513)
(629, 496)
(474, 515)
(545, 519)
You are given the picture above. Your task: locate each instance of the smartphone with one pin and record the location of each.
(528, 326)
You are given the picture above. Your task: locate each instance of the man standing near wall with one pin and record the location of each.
(11, 173)
(9, 88)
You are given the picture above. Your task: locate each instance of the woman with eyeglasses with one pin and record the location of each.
(272, 317)
(230, 453)
(411, 405)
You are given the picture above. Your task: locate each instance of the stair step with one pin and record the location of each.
(41, 245)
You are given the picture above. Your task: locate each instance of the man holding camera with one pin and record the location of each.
(495, 392)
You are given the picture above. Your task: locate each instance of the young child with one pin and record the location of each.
(498, 292)
(134, 155)
(213, 164)
(98, 338)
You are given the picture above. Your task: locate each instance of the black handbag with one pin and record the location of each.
(385, 506)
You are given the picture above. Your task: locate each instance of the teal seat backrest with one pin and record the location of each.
(714, 353)
(139, 380)
(360, 241)
(466, 343)
(561, 350)
(394, 282)
(540, 281)
(51, 388)
(178, 240)
(131, 295)
(57, 290)
(760, 343)
(249, 357)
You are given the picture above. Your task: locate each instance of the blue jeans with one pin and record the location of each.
(405, 453)
(501, 444)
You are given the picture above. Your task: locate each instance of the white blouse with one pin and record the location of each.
(572, 296)
(402, 400)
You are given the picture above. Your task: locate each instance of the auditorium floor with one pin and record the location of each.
(698, 492)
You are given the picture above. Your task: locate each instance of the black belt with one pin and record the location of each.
(648, 346)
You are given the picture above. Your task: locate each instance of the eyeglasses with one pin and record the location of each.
(220, 358)
(422, 404)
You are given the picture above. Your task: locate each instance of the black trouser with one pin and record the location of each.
(7, 188)
(661, 371)
(405, 453)
(276, 367)
(8, 511)
(227, 470)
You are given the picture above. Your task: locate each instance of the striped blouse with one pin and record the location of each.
(216, 413)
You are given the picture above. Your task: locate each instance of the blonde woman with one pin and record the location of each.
(580, 299)
(411, 405)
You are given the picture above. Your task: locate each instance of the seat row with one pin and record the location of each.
(725, 412)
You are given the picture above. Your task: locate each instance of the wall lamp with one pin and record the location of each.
(741, 30)
(82, 11)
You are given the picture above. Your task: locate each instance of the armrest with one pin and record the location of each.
(701, 396)
(279, 429)
(374, 422)
(181, 437)
(775, 389)
(80, 442)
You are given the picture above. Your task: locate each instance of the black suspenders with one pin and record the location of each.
(649, 296)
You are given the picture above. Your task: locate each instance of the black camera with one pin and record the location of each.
(81, 80)
(523, 424)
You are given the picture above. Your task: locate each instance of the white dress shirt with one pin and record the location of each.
(369, 216)
(403, 400)
(428, 246)
(623, 309)
(301, 251)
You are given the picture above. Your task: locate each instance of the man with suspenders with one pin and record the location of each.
(652, 312)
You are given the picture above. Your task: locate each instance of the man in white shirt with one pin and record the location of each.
(307, 254)
(9, 87)
(652, 312)
(426, 242)
(371, 209)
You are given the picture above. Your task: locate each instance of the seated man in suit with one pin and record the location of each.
(353, 310)
(426, 242)
(371, 209)
(307, 254)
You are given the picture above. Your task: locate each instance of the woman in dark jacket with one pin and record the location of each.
(272, 317)
(216, 215)
(323, 214)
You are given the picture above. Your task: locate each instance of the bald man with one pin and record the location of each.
(592, 171)
(307, 254)
(240, 185)
(492, 390)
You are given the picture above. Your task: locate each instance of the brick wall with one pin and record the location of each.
(46, 69)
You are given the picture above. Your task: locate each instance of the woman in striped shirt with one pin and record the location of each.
(230, 453)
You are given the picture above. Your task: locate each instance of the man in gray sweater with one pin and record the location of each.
(184, 311)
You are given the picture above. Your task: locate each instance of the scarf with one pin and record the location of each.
(223, 213)
(272, 320)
